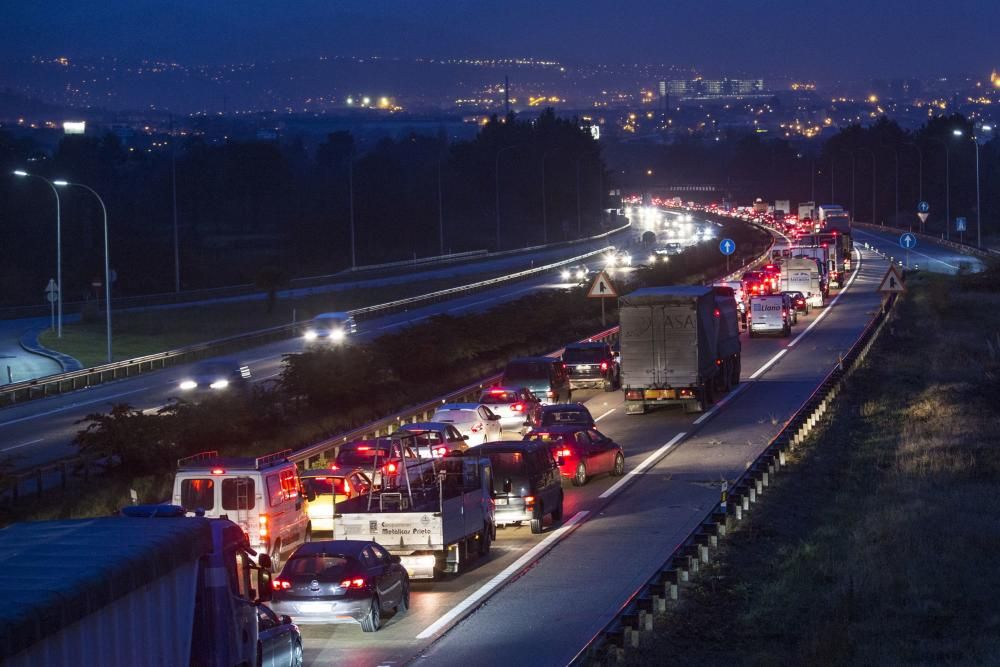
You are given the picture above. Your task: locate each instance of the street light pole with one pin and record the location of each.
(59, 285)
(947, 185)
(107, 262)
(979, 214)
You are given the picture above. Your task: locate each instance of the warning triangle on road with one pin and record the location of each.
(602, 287)
(892, 282)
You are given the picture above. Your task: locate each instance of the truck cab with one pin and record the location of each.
(262, 495)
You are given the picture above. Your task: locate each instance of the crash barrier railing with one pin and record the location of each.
(70, 381)
(635, 616)
(964, 248)
(247, 289)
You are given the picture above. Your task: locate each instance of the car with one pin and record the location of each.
(215, 375)
(341, 581)
(279, 642)
(592, 365)
(471, 419)
(581, 452)
(514, 406)
(327, 486)
(436, 439)
(330, 328)
(379, 458)
(526, 483)
(799, 301)
(562, 413)
(617, 259)
(576, 274)
(545, 377)
(789, 305)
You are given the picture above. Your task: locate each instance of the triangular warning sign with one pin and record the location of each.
(892, 282)
(602, 287)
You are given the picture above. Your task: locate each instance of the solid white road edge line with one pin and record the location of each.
(932, 259)
(509, 571)
(70, 407)
(639, 469)
(770, 362)
(597, 419)
(23, 444)
(826, 310)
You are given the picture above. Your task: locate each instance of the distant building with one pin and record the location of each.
(664, 96)
(714, 88)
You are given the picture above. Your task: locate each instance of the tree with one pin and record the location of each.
(138, 440)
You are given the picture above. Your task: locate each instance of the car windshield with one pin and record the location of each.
(319, 565)
(324, 486)
(565, 417)
(593, 355)
(527, 371)
(213, 369)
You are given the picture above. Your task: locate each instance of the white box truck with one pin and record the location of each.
(800, 274)
(768, 315)
(152, 588)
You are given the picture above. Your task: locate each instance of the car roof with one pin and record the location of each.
(425, 426)
(334, 315)
(564, 406)
(501, 447)
(561, 428)
(459, 406)
(502, 388)
(332, 547)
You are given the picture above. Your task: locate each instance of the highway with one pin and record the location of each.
(927, 256)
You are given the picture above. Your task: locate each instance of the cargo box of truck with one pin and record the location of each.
(801, 274)
(669, 347)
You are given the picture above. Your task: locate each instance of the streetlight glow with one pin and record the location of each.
(60, 183)
(19, 172)
(957, 132)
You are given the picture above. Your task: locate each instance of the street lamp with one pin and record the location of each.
(59, 305)
(107, 264)
(979, 216)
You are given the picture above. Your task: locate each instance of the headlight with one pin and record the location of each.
(311, 335)
(187, 385)
(219, 384)
(628, 259)
(565, 275)
(580, 275)
(337, 335)
(652, 259)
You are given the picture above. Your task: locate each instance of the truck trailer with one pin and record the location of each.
(152, 587)
(670, 351)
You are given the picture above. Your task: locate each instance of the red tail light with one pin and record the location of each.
(364, 448)
(717, 312)
(281, 584)
(565, 451)
(352, 583)
(784, 313)
(390, 467)
(718, 362)
(441, 451)
(517, 407)
(604, 365)
(347, 486)
(550, 394)
(633, 395)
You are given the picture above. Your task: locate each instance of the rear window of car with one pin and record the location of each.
(544, 437)
(527, 370)
(507, 463)
(583, 355)
(324, 486)
(565, 417)
(198, 494)
(456, 415)
(237, 493)
(354, 456)
(317, 566)
(425, 438)
(497, 398)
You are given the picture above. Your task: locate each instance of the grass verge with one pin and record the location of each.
(877, 547)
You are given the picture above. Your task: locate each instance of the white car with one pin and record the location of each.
(471, 419)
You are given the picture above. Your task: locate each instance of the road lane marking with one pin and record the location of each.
(728, 397)
(71, 407)
(826, 310)
(512, 569)
(23, 444)
(639, 469)
(903, 250)
(597, 419)
(770, 362)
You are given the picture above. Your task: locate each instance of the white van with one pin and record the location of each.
(768, 314)
(262, 495)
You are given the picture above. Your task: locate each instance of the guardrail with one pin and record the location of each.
(636, 615)
(88, 377)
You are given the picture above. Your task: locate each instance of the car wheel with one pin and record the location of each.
(404, 600)
(297, 655)
(536, 523)
(580, 477)
(619, 468)
(373, 619)
(557, 513)
(609, 385)
(485, 541)
(276, 557)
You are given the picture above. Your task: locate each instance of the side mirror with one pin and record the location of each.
(465, 437)
(264, 586)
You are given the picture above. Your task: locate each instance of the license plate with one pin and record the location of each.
(313, 607)
(501, 501)
(583, 368)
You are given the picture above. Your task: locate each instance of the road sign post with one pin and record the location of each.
(923, 210)
(960, 228)
(907, 241)
(727, 247)
(52, 294)
(602, 288)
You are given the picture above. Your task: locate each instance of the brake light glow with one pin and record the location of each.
(529, 501)
(441, 451)
(352, 583)
(262, 522)
(347, 486)
(517, 407)
(390, 467)
(565, 451)
(333, 466)
(718, 362)
(281, 584)
(364, 448)
(784, 313)
(717, 312)
(604, 365)
(218, 471)
(633, 395)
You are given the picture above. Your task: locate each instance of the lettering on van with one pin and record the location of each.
(759, 307)
(391, 529)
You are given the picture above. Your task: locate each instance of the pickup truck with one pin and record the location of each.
(440, 515)
(592, 365)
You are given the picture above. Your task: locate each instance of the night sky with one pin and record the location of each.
(824, 40)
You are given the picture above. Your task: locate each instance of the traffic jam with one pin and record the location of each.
(349, 541)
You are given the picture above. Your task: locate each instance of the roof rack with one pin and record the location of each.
(198, 458)
(269, 460)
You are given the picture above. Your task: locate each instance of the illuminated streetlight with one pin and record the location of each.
(59, 304)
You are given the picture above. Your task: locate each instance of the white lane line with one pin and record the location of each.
(71, 407)
(597, 419)
(639, 469)
(916, 252)
(728, 397)
(830, 305)
(23, 444)
(770, 362)
(508, 572)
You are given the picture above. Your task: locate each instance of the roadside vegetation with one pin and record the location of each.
(877, 548)
(325, 392)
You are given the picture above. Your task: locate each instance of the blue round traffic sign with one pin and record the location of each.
(908, 241)
(923, 207)
(727, 246)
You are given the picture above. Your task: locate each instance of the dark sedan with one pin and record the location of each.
(341, 581)
(561, 414)
(280, 644)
